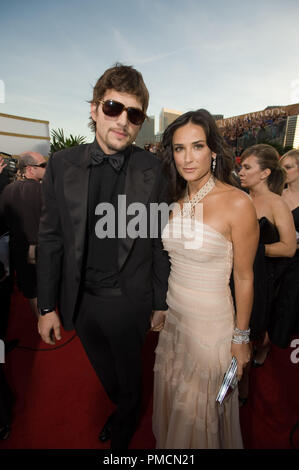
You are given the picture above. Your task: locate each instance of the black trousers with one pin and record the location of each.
(5, 294)
(112, 336)
(6, 398)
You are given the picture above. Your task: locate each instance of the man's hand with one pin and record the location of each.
(49, 327)
(158, 320)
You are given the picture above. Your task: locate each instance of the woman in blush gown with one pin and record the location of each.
(284, 322)
(262, 174)
(201, 331)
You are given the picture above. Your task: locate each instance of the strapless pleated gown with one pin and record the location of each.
(193, 351)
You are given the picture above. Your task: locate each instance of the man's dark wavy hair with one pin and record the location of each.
(215, 142)
(122, 78)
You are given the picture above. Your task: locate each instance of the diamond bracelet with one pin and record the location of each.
(239, 339)
(241, 336)
(242, 332)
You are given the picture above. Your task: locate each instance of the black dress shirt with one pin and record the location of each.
(105, 184)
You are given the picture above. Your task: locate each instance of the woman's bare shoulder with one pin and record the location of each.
(278, 203)
(234, 195)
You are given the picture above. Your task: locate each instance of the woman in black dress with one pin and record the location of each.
(262, 174)
(285, 319)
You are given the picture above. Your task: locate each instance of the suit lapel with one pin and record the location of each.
(76, 178)
(140, 179)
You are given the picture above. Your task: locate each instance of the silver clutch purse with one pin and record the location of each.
(229, 382)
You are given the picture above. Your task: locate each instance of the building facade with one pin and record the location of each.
(146, 134)
(167, 116)
(292, 132)
(19, 134)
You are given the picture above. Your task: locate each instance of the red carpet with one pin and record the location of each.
(60, 403)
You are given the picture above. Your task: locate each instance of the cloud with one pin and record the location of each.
(131, 54)
(154, 58)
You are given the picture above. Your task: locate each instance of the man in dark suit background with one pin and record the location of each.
(107, 287)
(20, 207)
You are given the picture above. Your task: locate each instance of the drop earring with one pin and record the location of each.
(214, 165)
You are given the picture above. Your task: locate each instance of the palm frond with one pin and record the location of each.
(60, 142)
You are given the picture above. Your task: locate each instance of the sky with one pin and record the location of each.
(229, 57)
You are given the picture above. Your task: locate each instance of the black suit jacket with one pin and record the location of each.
(20, 205)
(142, 262)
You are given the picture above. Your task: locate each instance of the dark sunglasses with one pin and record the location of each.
(40, 165)
(115, 108)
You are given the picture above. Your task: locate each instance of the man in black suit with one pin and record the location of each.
(20, 207)
(107, 287)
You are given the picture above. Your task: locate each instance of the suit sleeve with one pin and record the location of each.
(34, 202)
(161, 264)
(3, 223)
(50, 243)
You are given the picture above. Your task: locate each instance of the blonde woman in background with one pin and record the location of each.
(290, 162)
(285, 319)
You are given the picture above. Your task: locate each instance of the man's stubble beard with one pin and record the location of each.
(129, 141)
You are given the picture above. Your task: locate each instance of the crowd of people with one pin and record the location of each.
(154, 148)
(248, 130)
(217, 280)
(244, 131)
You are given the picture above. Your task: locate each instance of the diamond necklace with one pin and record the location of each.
(188, 205)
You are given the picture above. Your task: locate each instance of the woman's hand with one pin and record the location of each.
(242, 353)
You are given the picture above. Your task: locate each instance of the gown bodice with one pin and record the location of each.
(201, 257)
